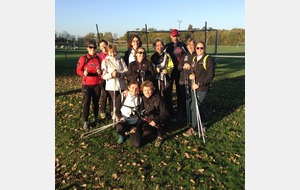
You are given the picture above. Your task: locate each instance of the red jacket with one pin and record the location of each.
(91, 66)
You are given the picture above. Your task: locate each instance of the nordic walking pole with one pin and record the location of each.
(187, 96)
(114, 102)
(98, 32)
(94, 131)
(199, 122)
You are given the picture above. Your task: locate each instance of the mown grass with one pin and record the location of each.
(98, 162)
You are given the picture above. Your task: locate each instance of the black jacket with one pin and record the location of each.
(204, 76)
(186, 58)
(155, 107)
(145, 72)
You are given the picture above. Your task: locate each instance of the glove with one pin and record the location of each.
(85, 73)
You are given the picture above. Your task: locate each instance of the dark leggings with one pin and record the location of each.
(103, 98)
(90, 93)
(135, 137)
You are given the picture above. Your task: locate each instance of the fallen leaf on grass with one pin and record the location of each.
(186, 155)
(115, 176)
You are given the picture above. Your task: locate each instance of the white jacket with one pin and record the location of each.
(110, 64)
(127, 109)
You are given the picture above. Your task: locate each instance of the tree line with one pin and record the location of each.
(225, 37)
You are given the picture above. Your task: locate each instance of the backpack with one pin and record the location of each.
(204, 61)
(87, 59)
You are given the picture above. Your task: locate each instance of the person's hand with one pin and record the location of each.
(122, 119)
(152, 123)
(192, 77)
(133, 130)
(157, 69)
(195, 86)
(85, 73)
(113, 74)
(125, 93)
(98, 71)
(186, 66)
(165, 71)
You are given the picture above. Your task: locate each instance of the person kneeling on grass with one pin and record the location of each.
(127, 109)
(154, 107)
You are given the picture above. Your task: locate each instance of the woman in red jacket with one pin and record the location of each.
(89, 68)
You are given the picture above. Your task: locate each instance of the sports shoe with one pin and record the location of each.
(85, 125)
(96, 121)
(120, 139)
(158, 141)
(190, 132)
(102, 115)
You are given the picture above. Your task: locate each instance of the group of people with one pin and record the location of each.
(137, 89)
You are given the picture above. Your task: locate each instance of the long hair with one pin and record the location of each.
(131, 39)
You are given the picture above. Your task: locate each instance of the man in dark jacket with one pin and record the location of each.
(176, 49)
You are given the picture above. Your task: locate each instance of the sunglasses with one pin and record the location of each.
(200, 48)
(141, 52)
(92, 47)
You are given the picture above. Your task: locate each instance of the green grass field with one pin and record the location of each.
(98, 162)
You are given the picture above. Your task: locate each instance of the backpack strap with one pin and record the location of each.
(204, 62)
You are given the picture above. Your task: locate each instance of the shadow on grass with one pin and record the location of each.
(68, 92)
(224, 97)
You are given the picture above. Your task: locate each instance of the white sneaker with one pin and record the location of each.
(85, 125)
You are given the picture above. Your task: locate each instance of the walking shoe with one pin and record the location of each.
(190, 132)
(85, 125)
(120, 139)
(102, 115)
(158, 141)
(96, 121)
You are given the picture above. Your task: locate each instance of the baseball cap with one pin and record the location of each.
(174, 32)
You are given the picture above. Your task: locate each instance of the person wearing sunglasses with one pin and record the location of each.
(141, 69)
(89, 68)
(184, 67)
(133, 43)
(201, 76)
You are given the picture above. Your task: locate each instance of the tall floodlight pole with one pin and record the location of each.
(179, 21)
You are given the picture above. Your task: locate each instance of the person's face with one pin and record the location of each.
(147, 92)
(133, 89)
(200, 49)
(135, 43)
(174, 39)
(158, 47)
(191, 46)
(111, 53)
(103, 46)
(91, 49)
(140, 54)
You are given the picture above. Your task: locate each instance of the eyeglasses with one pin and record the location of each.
(140, 52)
(200, 48)
(92, 47)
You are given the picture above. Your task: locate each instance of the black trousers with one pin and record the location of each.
(91, 93)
